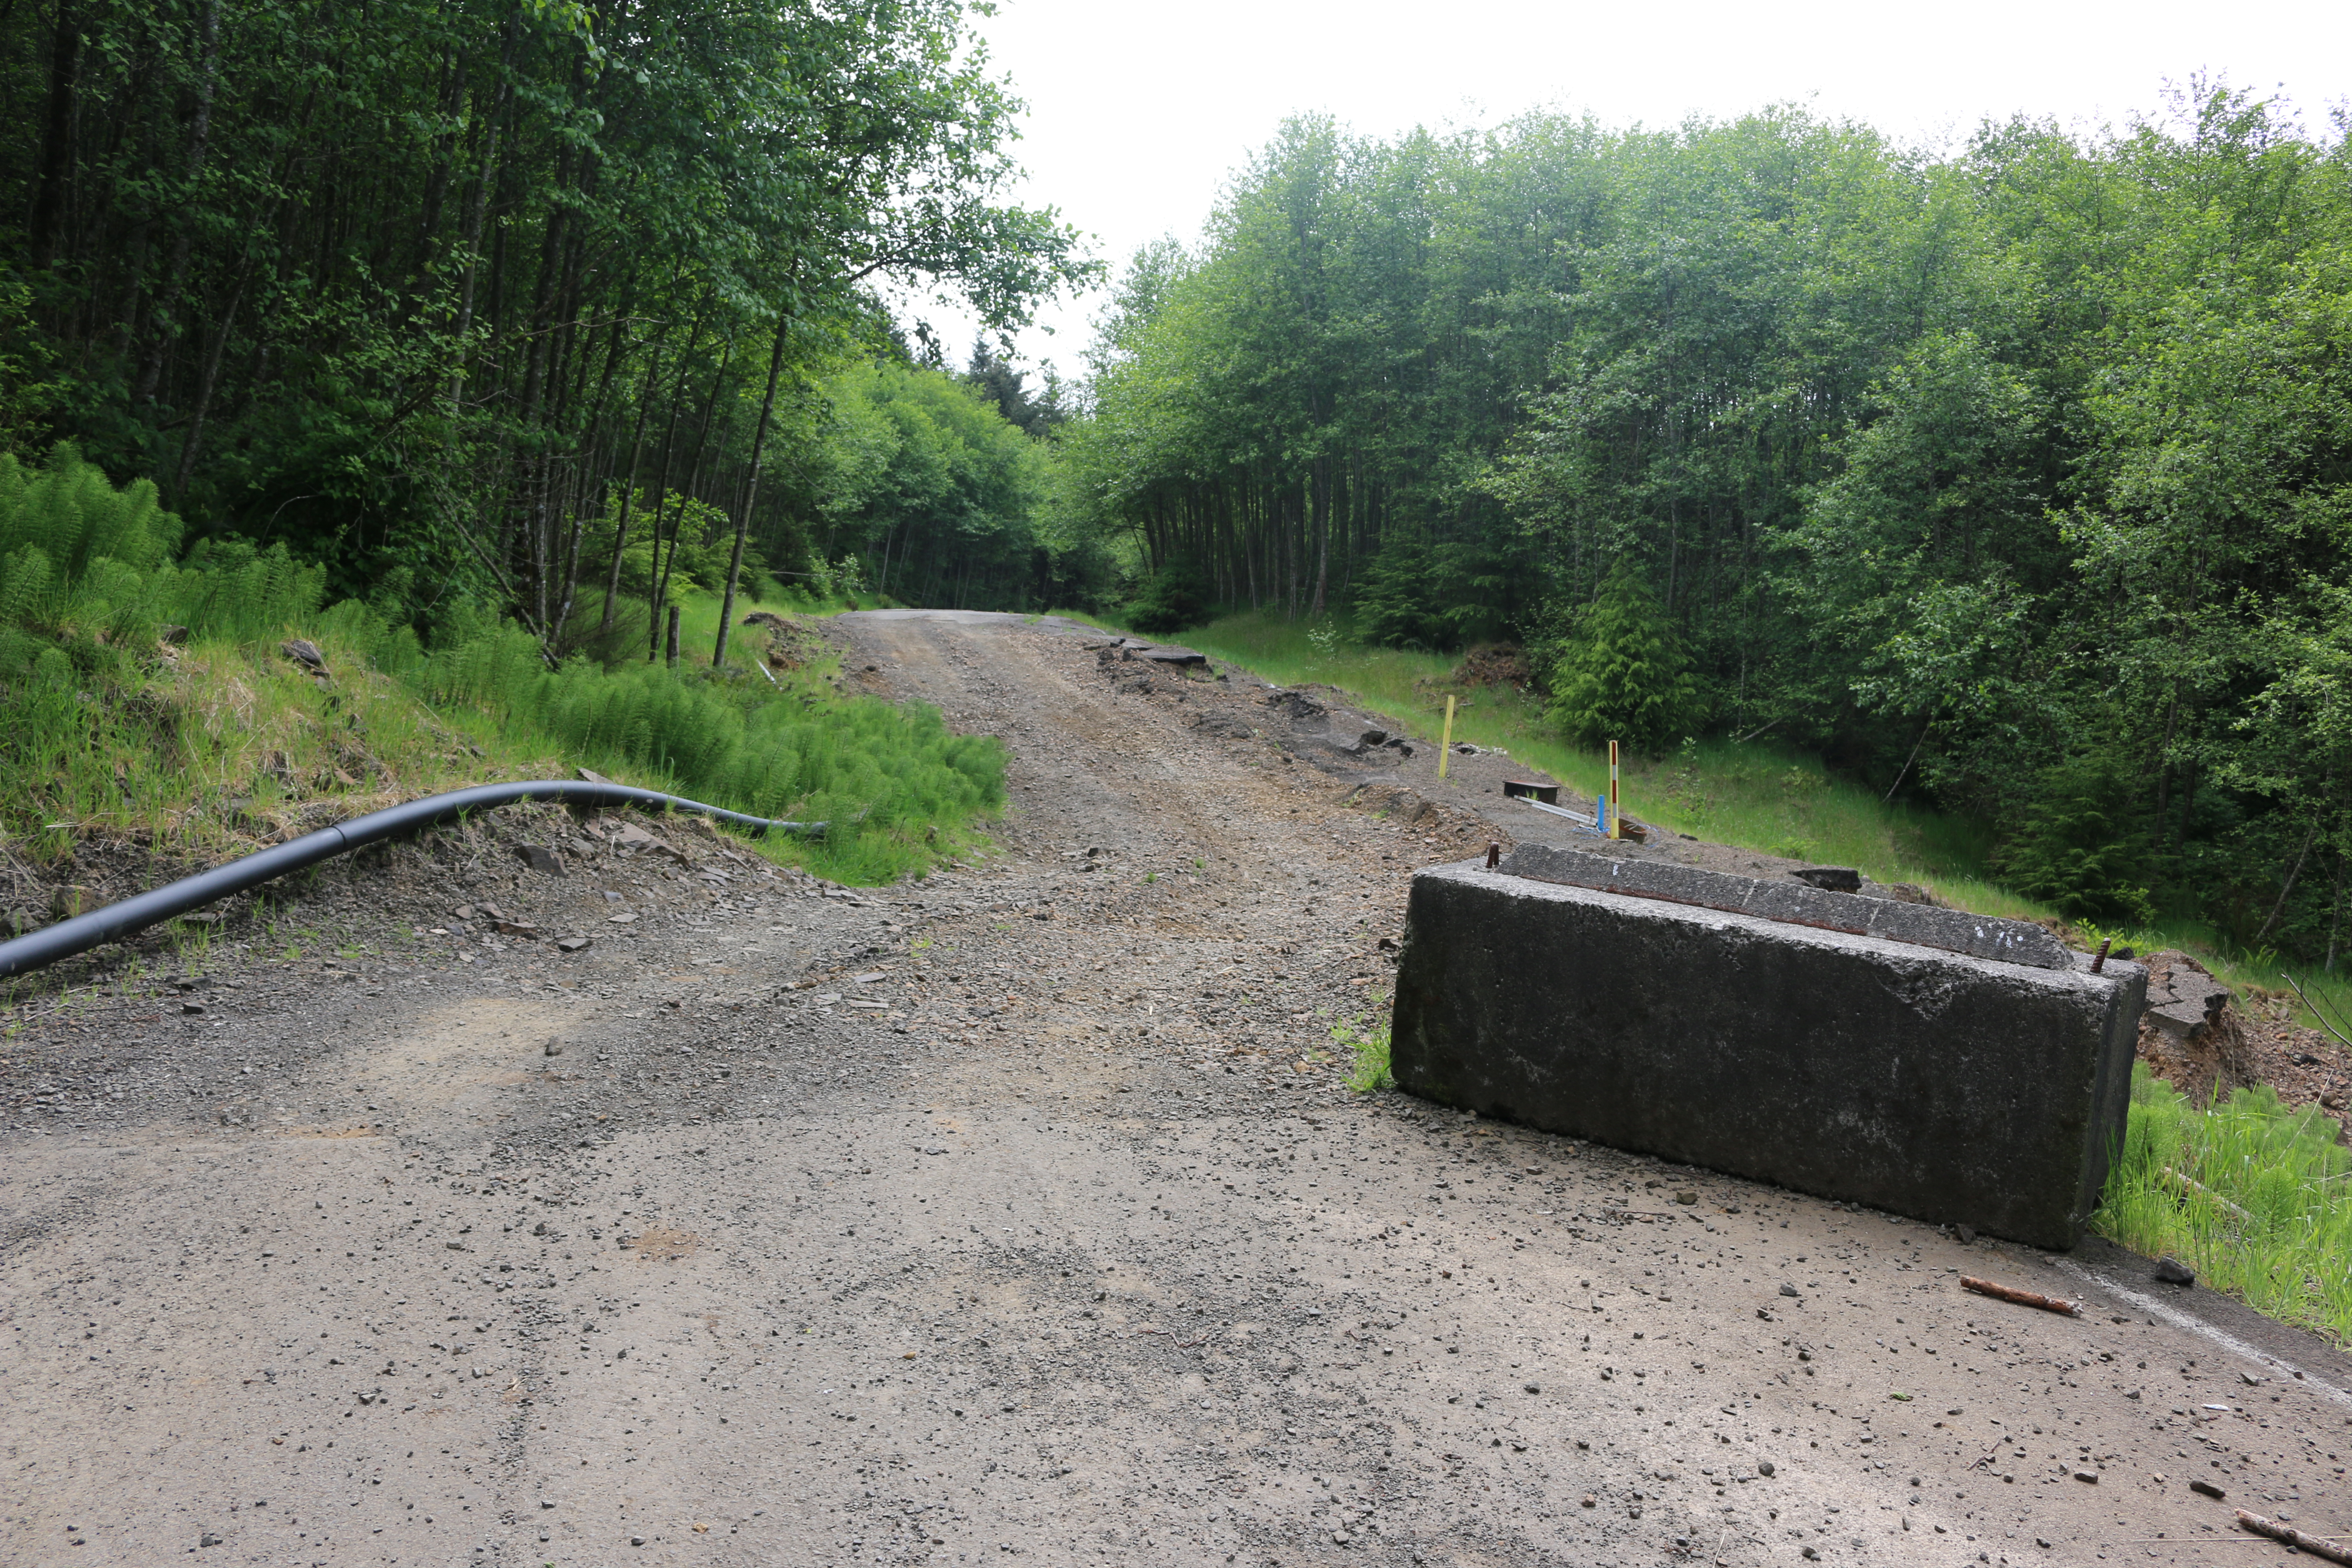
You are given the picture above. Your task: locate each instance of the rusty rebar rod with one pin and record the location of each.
(2022, 1298)
(2300, 1540)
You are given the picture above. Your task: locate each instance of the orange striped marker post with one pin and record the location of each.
(1614, 821)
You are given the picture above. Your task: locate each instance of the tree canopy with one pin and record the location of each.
(2030, 461)
(423, 286)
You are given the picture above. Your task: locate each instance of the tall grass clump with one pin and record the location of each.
(2255, 1196)
(882, 776)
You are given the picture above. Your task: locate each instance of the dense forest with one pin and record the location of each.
(525, 302)
(2012, 477)
(2020, 476)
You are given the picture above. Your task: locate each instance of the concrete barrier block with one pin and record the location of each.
(1949, 1088)
(1957, 931)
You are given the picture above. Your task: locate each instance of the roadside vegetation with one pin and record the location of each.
(152, 700)
(2249, 1193)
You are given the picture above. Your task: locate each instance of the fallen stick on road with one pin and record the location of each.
(2293, 1537)
(2022, 1298)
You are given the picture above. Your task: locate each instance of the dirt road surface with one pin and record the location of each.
(1018, 1213)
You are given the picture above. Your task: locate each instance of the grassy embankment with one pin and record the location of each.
(2248, 1193)
(200, 750)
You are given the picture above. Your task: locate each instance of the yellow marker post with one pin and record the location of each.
(1615, 830)
(1445, 746)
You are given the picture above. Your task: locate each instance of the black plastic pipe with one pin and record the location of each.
(37, 950)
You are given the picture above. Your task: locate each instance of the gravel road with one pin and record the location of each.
(1018, 1212)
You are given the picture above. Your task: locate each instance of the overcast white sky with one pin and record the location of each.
(1137, 113)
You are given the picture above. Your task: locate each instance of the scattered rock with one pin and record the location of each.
(553, 1048)
(2172, 1271)
(2088, 1477)
(1829, 878)
(1298, 709)
(538, 857)
(208, 1539)
(171, 635)
(1764, 1468)
(74, 899)
(304, 652)
(19, 921)
(572, 945)
(2206, 1488)
(1788, 1290)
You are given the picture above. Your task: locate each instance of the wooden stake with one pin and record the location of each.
(2022, 1298)
(1615, 830)
(1445, 746)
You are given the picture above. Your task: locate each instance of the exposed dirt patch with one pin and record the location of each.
(1031, 1218)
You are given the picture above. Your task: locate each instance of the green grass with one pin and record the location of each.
(225, 743)
(199, 748)
(886, 778)
(1759, 796)
(2257, 1198)
(1366, 1041)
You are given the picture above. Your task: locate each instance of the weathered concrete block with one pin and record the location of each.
(1949, 1088)
(1798, 903)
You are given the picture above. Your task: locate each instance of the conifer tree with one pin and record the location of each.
(2081, 846)
(1624, 675)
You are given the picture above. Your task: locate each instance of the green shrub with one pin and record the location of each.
(2080, 846)
(1168, 600)
(1623, 674)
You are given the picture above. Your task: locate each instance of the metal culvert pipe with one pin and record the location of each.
(37, 950)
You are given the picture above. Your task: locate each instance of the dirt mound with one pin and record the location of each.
(791, 643)
(1494, 664)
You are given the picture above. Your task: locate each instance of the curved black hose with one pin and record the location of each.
(39, 949)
